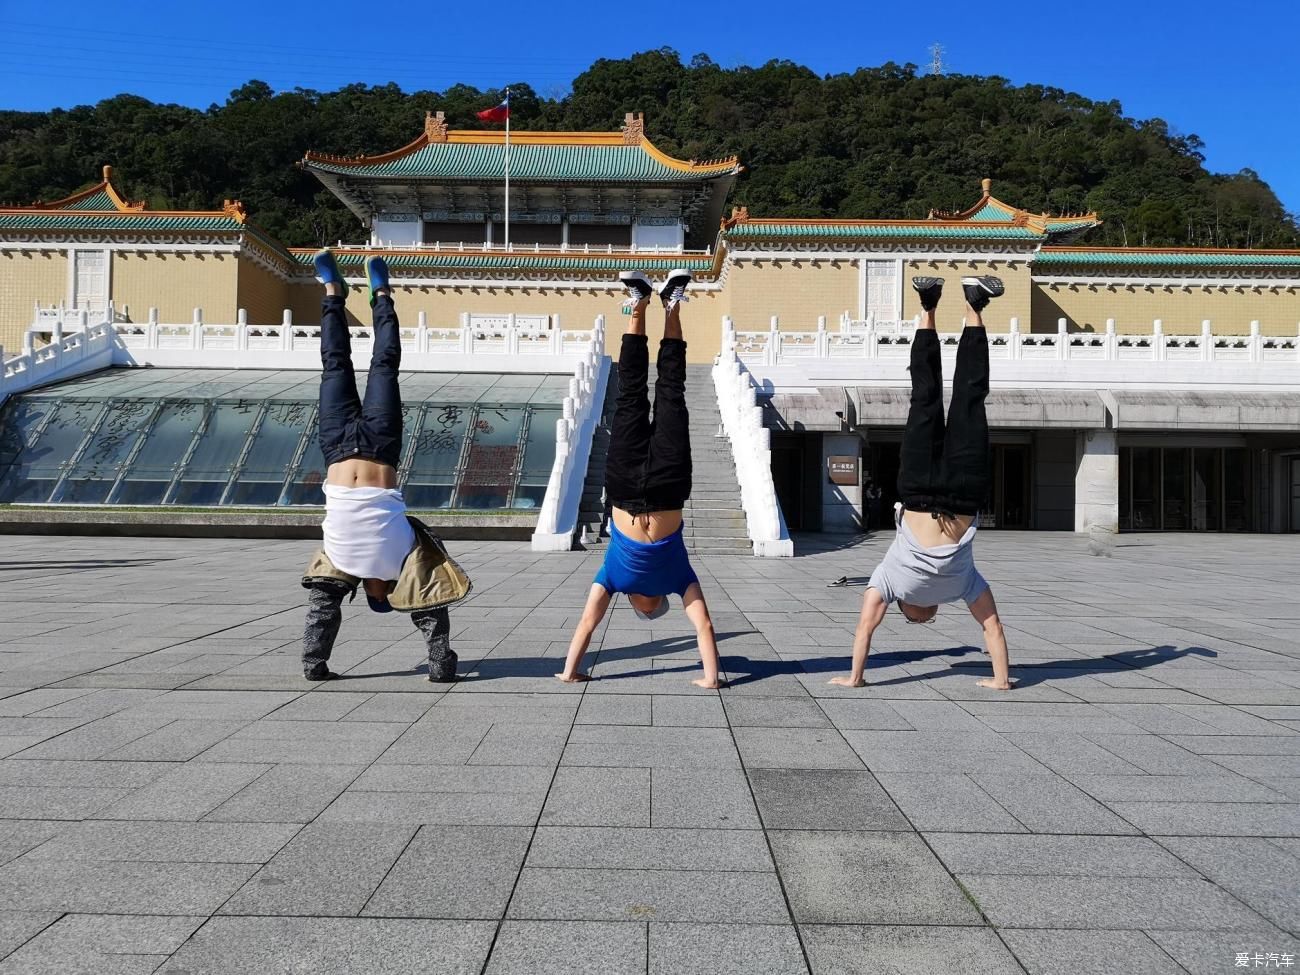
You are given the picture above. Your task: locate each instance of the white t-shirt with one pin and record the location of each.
(366, 532)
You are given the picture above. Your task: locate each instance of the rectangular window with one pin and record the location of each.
(492, 460)
(436, 455)
(600, 235)
(882, 290)
(216, 453)
(100, 465)
(167, 442)
(454, 233)
(1146, 488)
(33, 476)
(270, 455)
(539, 458)
(1176, 486)
(1237, 487)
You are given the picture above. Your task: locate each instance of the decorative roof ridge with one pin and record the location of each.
(858, 222)
(1084, 249)
(436, 132)
(105, 185)
(1041, 222)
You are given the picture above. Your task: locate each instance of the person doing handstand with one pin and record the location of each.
(648, 481)
(943, 480)
(369, 540)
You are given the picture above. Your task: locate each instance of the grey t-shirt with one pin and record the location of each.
(928, 576)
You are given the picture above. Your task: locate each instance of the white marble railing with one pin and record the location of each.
(460, 246)
(574, 430)
(751, 449)
(86, 349)
(872, 340)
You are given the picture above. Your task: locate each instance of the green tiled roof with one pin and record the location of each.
(853, 231)
(96, 201)
(74, 221)
(525, 262)
(1137, 258)
(993, 211)
(461, 161)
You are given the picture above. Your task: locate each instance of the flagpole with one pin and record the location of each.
(507, 221)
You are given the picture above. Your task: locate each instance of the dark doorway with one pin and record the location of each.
(796, 463)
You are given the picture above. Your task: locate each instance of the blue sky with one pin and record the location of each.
(1225, 72)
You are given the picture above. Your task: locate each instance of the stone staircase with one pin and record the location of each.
(713, 520)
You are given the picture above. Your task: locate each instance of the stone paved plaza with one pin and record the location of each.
(174, 798)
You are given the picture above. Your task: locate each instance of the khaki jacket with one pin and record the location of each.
(430, 578)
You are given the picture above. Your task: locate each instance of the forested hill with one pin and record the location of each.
(880, 142)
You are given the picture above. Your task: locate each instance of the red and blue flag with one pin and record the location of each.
(499, 113)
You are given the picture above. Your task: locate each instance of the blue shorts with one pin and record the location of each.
(646, 568)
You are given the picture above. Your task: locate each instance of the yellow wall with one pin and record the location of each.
(28, 277)
(1014, 304)
(577, 308)
(796, 292)
(1134, 308)
(176, 284)
(262, 294)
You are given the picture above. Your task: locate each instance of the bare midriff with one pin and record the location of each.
(649, 527)
(930, 531)
(361, 472)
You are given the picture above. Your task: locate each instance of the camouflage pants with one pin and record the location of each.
(325, 614)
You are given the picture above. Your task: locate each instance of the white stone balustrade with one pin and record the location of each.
(751, 449)
(872, 340)
(85, 349)
(557, 521)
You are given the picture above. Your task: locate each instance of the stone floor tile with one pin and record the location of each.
(892, 949)
(463, 872)
(569, 948)
(345, 946)
(1056, 856)
(701, 798)
(598, 797)
(823, 799)
(631, 895)
(724, 949)
(867, 878)
(1046, 952)
(937, 801)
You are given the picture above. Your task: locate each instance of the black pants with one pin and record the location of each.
(648, 467)
(348, 426)
(942, 469)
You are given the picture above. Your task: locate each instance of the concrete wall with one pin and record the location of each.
(577, 308)
(261, 293)
(27, 277)
(1134, 308)
(1053, 480)
(795, 291)
(176, 284)
(841, 504)
(1014, 304)
(1096, 482)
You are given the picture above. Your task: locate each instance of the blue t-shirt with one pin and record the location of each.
(646, 568)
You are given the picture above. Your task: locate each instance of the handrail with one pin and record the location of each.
(558, 519)
(871, 339)
(751, 449)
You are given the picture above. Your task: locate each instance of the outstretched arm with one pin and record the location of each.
(873, 611)
(985, 611)
(697, 611)
(592, 614)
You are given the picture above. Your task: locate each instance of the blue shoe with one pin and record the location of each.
(327, 269)
(377, 275)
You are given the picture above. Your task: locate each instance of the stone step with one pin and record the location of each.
(715, 531)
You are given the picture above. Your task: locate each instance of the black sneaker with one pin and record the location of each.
(638, 286)
(320, 673)
(442, 671)
(930, 290)
(980, 291)
(673, 291)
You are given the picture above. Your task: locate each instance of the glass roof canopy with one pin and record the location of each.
(229, 438)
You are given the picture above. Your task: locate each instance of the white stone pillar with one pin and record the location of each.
(1096, 482)
(841, 503)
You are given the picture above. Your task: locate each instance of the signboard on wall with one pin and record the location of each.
(844, 469)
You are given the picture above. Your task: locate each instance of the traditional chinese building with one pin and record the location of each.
(813, 307)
